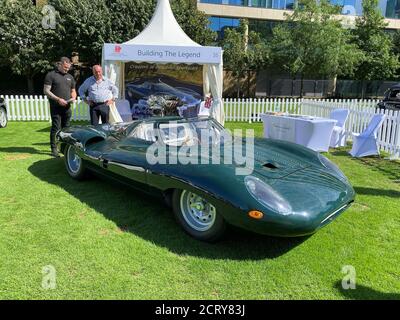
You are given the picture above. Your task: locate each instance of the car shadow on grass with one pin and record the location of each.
(23, 150)
(46, 129)
(365, 293)
(149, 218)
(377, 192)
(389, 168)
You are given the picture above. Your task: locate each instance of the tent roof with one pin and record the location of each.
(163, 29)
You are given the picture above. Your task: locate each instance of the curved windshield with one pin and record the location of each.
(179, 132)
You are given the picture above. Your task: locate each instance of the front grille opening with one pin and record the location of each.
(269, 165)
(334, 214)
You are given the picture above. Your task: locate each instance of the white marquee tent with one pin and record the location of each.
(164, 41)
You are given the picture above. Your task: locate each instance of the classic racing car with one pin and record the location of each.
(292, 190)
(3, 113)
(391, 100)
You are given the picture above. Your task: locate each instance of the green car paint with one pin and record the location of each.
(315, 192)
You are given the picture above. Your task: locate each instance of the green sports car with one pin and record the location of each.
(278, 188)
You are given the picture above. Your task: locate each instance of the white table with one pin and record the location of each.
(312, 132)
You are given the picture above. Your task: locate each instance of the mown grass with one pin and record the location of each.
(106, 241)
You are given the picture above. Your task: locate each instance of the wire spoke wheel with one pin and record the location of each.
(198, 216)
(74, 161)
(197, 212)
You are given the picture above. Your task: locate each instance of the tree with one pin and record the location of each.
(89, 24)
(128, 18)
(27, 46)
(86, 26)
(380, 62)
(195, 23)
(312, 42)
(243, 52)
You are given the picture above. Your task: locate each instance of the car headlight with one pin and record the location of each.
(266, 195)
(331, 166)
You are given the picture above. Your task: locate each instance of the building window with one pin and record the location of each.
(220, 24)
(393, 9)
(389, 8)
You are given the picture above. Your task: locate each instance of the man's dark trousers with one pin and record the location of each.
(60, 118)
(98, 110)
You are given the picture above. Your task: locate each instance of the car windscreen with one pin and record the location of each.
(190, 133)
(394, 94)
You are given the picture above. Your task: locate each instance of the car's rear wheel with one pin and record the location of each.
(3, 118)
(197, 216)
(74, 163)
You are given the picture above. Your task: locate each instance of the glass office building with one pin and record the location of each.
(389, 8)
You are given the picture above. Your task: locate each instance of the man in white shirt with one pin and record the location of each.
(99, 93)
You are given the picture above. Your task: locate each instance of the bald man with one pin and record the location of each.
(59, 87)
(99, 93)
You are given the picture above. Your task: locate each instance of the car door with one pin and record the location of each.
(127, 160)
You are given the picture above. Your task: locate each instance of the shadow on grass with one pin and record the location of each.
(42, 144)
(389, 168)
(73, 123)
(339, 152)
(377, 192)
(150, 219)
(47, 129)
(365, 293)
(29, 150)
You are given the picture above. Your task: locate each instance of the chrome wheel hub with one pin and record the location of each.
(197, 212)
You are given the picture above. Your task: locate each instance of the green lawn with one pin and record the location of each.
(109, 242)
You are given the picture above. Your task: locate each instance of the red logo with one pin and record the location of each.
(117, 49)
(208, 102)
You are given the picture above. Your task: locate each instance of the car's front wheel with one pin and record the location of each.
(74, 163)
(197, 216)
(3, 118)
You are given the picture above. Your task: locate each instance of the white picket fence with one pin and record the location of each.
(36, 108)
(249, 110)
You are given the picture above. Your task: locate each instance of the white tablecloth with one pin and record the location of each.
(311, 132)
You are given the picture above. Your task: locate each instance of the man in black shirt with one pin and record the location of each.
(59, 87)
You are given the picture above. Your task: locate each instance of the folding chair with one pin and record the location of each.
(338, 138)
(365, 143)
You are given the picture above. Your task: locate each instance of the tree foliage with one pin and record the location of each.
(312, 42)
(194, 22)
(26, 46)
(243, 51)
(86, 26)
(379, 62)
(128, 18)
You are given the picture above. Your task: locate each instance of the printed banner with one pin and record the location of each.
(163, 89)
(176, 54)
